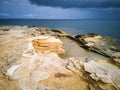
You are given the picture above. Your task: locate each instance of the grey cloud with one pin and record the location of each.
(78, 3)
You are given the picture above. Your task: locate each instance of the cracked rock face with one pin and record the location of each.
(38, 67)
(103, 72)
(32, 61)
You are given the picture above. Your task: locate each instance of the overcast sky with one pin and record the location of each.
(59, 9)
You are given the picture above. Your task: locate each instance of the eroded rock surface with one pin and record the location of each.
(103, 45)
(48, 44)
(39, 66)
(29, 60)
(103, 72)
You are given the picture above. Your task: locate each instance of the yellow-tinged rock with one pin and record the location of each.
(48, 44)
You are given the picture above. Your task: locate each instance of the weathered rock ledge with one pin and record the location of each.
(36, 58)
(102, 45)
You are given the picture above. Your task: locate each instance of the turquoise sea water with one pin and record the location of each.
(104, 27)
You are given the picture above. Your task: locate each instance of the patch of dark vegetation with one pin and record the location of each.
(59, 75)
(57, 31)
(87, 35)
(6, 29)
(92, 34)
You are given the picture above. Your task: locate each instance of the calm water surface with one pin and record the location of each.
(103, 27)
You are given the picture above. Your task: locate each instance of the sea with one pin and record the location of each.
(109, 28)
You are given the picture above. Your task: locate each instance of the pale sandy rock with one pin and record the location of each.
(51, 63)
(39, 75)
(38, 67)
(89, 67)
(28, 53)
(105, 77)
(32, 69)
(103, 72)
(90, 44)
(12, 70)
(117, 54)
(26, 84)
(74, 64)
(92, 39)
(21, 72)
(42, 67)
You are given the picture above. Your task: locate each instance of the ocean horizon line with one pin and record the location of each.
(61, 19)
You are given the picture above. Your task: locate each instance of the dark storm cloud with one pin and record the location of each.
(78, 3)
(37, 9)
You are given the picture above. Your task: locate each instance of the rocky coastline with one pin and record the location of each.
(37, 58)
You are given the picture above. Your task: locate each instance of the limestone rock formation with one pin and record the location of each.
(38, 67)
(102, 45)
(103, 72)
(48, 44)
(30, 60)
